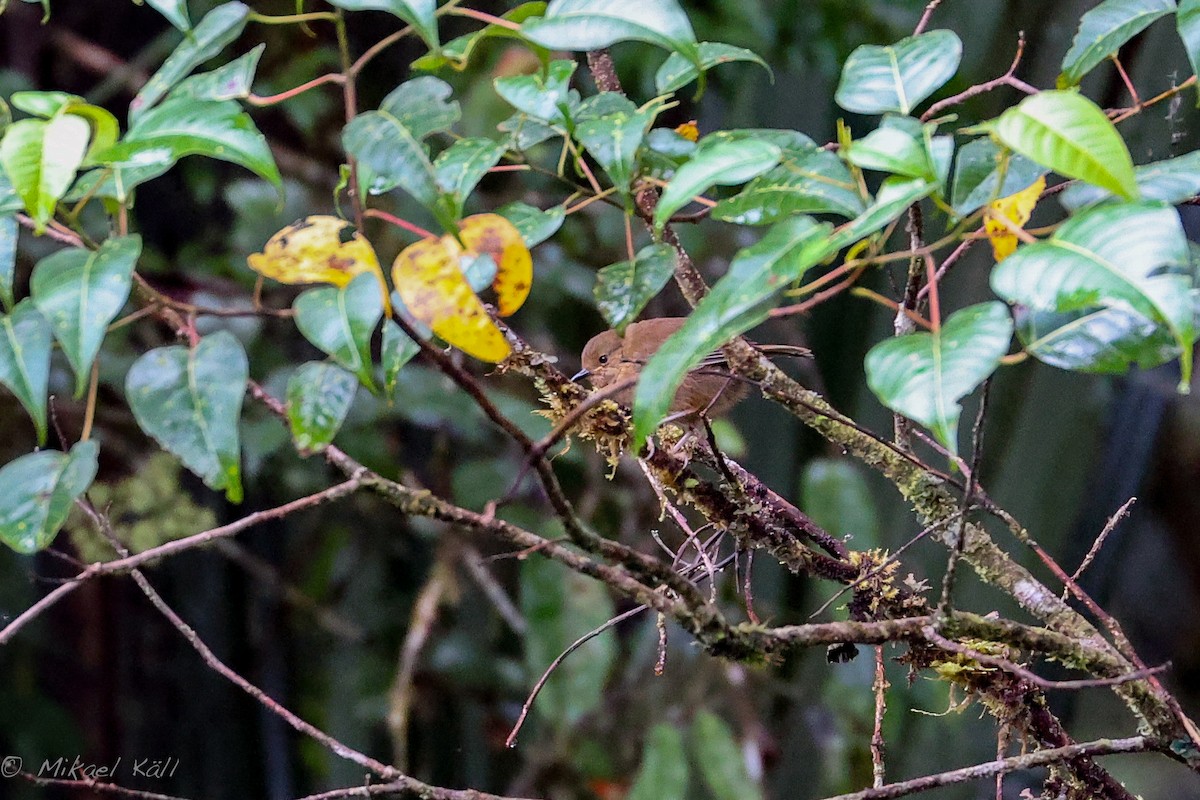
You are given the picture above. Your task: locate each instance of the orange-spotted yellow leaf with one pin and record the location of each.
(1016, 208)
(689, 131)
(428, 278)
(317, 250)
(495, 236)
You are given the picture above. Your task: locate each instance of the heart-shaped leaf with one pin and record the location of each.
(723, 163)
(218, 28)
(37, 492)
(339, 322)
(737, 303)
(493, 235)
(1066, 132)
(663, 774)
(25, 360)
(677, 71)
(80, 292)
(898, 77)
(396, 351)
(924, 375)
(41, 158)
(228, 82)
(418, 13)
(1170, 181)
(190, 401)
(984, 172)
(623, 289)
(595, 24)
(317, 249)
(1104, 29)
(181, 126)
(1128, 255)
(319, 395)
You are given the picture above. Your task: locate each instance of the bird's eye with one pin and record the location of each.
(603, 359)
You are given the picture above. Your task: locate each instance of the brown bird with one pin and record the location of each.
(709, 389)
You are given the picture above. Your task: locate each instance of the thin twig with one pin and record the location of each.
(924, 21)
(1039, 758)
(1113, 521)
(1007, 79)
(880, 687)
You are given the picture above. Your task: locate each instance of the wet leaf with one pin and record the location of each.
(623, 289)
(37, 492)
(25, 360)
(319, 396)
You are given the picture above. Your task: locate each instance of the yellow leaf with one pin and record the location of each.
(312, 250)
(1016, 208)
(689, 131)
(495, 236)
(435, 291)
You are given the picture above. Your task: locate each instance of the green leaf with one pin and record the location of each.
(388, 156)
(117, 183)
(43, 104)
(898, 77)
(423, 106)
(720, 759)
(560, 606)
(25, 360)
(534, 225)
(525, 132)
(595, 24)
(8, 259)
(623, 289)
(460, 167)
(80, 292)
(835, 493)
(9, 201)
(1170, 181)
(41, 158)
(1106, 340)
(181, 126)
(677, 71)
(545, 96)
(1103, 30)
(984, 172)
(1187, 20)
(663, 774)
(456, 53)
(809, 180)
(397, 350)
(218, 28)
(190, 401)
(228, 82)
(1066, 132)
(924, 375)
(723, 163)
(339, 322)
(900, 145)
(175, 11)
(37, 492)
(613, 139)
(418, 13)
(319, 395)
(894, 196)
(737, 302)
(1130, 255)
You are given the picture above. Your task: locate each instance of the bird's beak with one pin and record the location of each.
(583, 373)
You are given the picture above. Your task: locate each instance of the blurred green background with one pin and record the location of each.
(315, 609)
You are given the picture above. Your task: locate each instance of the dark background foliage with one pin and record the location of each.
(315, 609)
